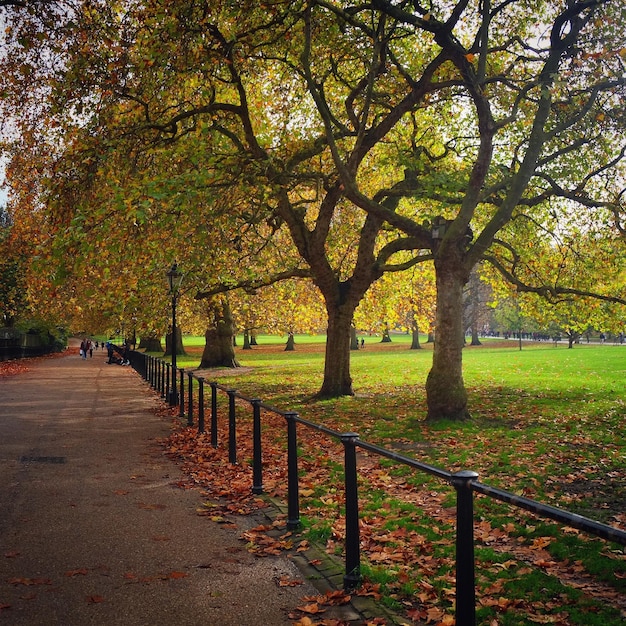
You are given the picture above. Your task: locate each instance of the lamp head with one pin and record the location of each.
(174, 278)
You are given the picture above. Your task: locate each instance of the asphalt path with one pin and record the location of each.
(93, 528)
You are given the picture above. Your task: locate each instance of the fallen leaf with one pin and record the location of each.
(285, 581)
(76, 572)
(312, 608)
(95, 599)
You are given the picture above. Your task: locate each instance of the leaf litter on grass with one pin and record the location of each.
(408, 532)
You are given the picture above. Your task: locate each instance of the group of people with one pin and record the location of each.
(87, 346)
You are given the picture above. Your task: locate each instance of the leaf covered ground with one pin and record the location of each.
(561, 444)
(546, 424)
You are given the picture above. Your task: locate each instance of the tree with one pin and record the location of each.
(476, 313)
(439, 133)
(219, 350)
(559, 263)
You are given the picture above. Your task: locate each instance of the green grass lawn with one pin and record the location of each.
(547, 422)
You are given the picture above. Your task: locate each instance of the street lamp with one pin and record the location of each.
(174, 280)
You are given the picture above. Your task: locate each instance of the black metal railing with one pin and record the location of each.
(464, 482)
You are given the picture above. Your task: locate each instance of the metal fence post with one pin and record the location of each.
(181, 397)
(352, 577)
(162, 387)
(167, 380)
(465, 578)
(213, 414)
(200, 405)
(190, 400)
(257, 467)
(293, 494)
(232, 427)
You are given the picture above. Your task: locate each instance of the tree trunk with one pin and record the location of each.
(354, 341)
(290, 346)
(415, 338)
(253, 341)
(150, 344)
(179, 343)
(337, 379)
(445, 391)
(246, 340)
(218, 348)
(386, 336)
(475, 338)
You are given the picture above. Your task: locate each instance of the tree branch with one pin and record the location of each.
(549, 292)
(250, 286)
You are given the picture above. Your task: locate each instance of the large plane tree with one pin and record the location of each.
(445, 134)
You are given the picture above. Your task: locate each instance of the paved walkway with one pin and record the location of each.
(92, 527)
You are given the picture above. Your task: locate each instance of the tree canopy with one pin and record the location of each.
(327, 139)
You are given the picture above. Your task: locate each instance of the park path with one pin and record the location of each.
(93, 528)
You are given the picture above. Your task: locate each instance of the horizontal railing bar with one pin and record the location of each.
(319, 427)
(430, 469)
(560, 515)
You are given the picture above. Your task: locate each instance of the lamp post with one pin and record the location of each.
(174, 279)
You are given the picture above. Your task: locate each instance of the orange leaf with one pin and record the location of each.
(76, 572)
(177, 575)
(95, 599)
(311, 608)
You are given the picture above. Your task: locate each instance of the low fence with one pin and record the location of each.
(160, 376)
(10, 352)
